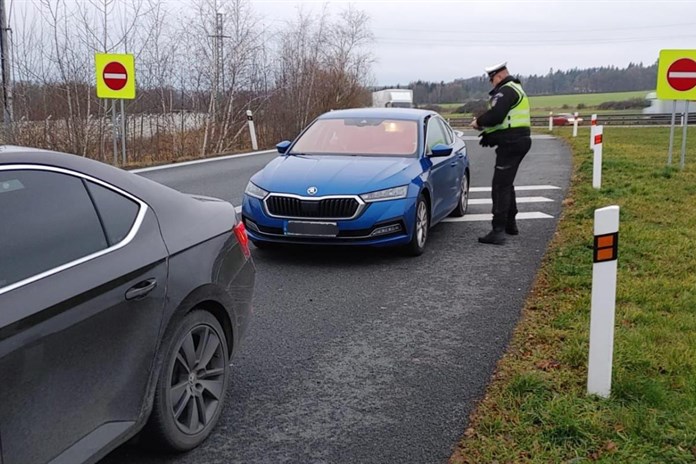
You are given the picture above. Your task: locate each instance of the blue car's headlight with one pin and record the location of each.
(255, 191)
(386, 194)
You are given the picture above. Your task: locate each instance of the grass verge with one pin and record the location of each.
(536, 409)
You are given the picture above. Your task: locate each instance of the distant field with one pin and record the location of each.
(588, 99)
(540, 104)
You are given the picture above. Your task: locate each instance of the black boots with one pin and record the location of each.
(497, 235)
(494, 237)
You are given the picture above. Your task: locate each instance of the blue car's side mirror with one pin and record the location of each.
(283, 146)
(441, 150)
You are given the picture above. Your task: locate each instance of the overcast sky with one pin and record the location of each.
(444, 40)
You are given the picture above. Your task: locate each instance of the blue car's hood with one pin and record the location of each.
(333, 175)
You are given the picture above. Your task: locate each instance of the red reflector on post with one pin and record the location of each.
(598, 139)
(242, 238)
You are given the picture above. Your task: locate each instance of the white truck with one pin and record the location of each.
(658, 106)
(393, 98)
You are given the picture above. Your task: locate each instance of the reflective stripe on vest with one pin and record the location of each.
(518, 116)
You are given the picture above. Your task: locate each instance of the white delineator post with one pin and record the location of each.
(575, 125)
(252, 130)
(550, 120)
(602, 316)
(597, 161)
(593, 124)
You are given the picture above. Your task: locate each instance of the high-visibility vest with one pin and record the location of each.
(518, 116)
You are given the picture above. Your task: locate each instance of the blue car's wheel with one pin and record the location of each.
(421, 228)
(463, 203)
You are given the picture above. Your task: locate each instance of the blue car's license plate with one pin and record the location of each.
(312, 229)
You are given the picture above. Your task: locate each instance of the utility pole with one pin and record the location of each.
(6, 68)
(220, 50)
(218, 80)
(219, 56)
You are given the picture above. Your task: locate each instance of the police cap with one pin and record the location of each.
(493, 70)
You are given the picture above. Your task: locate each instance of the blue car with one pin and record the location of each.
(369, 176)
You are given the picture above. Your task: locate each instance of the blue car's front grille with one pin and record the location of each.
(329, 208)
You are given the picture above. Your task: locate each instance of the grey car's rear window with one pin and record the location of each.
(117, 212)
(47, 219)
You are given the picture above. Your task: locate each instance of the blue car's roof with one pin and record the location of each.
(386, 113)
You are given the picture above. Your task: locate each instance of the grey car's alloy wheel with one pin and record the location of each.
(421, 228)
(192, 383)
(463, 203)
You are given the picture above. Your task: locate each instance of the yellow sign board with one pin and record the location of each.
(676, 75)
(115, 75)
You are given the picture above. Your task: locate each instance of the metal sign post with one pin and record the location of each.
(123, 132)
(671, 132)
(686, 126)
(115, 131)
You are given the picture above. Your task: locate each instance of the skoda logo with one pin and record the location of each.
(312, 190)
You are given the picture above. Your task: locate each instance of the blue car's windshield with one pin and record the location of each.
(360, 136)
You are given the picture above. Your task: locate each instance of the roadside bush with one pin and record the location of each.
(474, 106)
(581, 106)
(436, 108)
(633, 103)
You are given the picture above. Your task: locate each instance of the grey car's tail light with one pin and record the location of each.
(242, 238)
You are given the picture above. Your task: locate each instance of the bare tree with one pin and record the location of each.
(197, 73)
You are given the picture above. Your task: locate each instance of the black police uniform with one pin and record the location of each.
(512, 144)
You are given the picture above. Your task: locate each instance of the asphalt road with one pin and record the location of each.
(366, 356)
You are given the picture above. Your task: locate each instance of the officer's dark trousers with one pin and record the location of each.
(509, 155)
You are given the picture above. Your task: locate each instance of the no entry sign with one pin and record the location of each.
(115, 76)
(676, 75)
(681, 74)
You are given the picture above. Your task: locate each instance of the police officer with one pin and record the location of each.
(506, 126)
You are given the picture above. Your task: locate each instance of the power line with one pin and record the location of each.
(513, 31)
(546, 42)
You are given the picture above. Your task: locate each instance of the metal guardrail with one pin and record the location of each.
(606, 119)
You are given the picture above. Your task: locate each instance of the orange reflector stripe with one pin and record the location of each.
(605, 241)
(606, 247)
(605, 255)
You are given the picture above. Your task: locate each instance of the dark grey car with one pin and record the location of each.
(122, 302)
